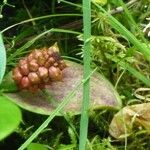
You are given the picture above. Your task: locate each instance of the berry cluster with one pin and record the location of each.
(39, 68)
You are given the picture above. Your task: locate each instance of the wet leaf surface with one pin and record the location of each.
(102, 93)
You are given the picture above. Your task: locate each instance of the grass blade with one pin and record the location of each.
(29, 43)
(39, 18)
(132, 21)
(124, 31)
(54, 113)
(86, 86)
(133, 71)
(49, 119)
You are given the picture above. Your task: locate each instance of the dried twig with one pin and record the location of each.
(121, 9)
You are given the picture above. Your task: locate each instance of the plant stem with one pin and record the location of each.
(86, 86)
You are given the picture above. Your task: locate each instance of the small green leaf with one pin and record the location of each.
(2, 58)
(36, 146)
(10, 117)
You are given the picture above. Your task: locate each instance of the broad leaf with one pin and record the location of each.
(2, 58)
(10, 117)
(102, 93)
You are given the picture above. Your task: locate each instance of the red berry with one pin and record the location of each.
(55, 74)
(25, 83)
(17, 76)
(42, 72)
(34, 78)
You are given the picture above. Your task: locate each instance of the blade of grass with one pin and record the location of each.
(133, 71)
(28, 12)
(2, 58)
(122, 30)
(132, 21)
(73, 59)
(39, 18)
(86, 86)
(48, 120)
(64, 102)
(29, 43)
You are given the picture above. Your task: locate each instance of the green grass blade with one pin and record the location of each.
(132, 21)
(122, 30)
(2, 58)
(64, 102)
(133, 71)
(86, 86)
(39, 18)
(29, 43)
(48, 120)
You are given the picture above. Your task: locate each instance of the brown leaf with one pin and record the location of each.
(124, 120)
